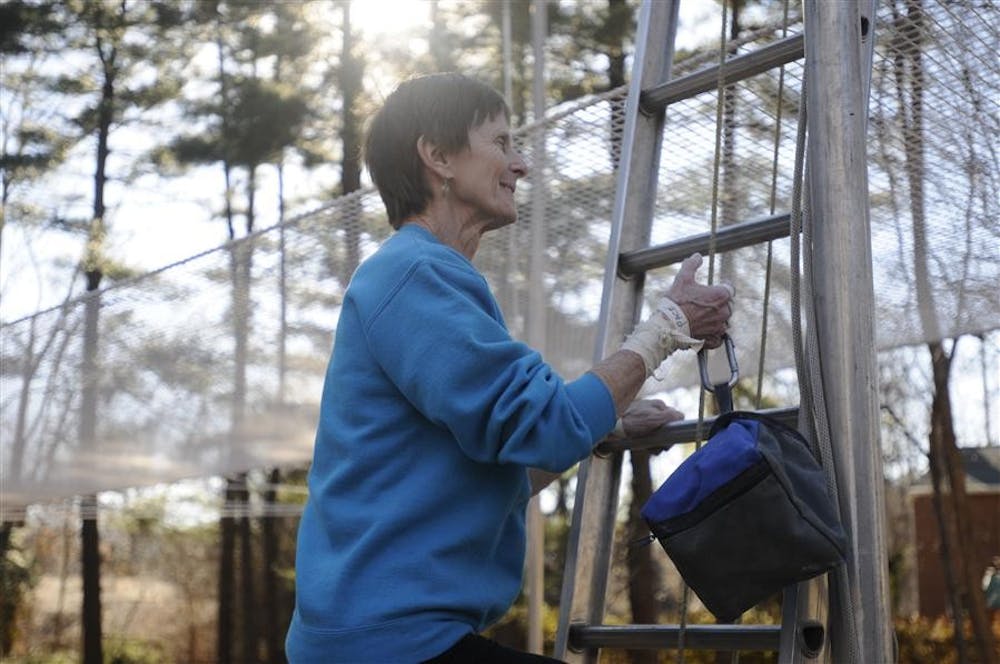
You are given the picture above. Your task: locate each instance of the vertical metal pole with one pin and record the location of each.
(506, 36)
(843, 298)
(509, 291)
(588, 558)
(536, 310)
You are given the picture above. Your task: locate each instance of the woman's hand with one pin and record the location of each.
(644, 416)
(707, 308)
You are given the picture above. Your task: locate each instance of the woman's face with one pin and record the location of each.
(486, 174)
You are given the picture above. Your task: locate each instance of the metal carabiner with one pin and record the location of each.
(723, 391)
(734, 370)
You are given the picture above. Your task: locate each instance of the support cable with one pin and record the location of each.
(770, 245)
(717, 158)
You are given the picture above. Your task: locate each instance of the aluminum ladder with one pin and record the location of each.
(837, 48)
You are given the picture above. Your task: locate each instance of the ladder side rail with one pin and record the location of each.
(728, 238)
(805, 606)
(739, 68)
(805, 634)
(843, 297)
(588, 558)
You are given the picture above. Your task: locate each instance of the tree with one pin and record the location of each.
(253, 118)
(31, 140)
(947, 470)
(101, 31)
(349, 74)
(29, 147)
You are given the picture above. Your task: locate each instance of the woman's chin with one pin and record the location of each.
(501, 221)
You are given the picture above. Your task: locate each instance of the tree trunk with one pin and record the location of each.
(8, 600)
(269, 535)
(944, 445)
(617, 10)
(945, 522)
(90, 559)
(227, 547)
(442, 55)
(93, 652)
(282, 289)
(227, 530)
(90, 538)
(351, 69)
(729, 99)
(643, 578)
(727, 185)
(31, 362)
(243, 252)
(950, 495)
(249, 605)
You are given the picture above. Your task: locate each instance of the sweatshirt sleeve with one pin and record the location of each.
(436, 339)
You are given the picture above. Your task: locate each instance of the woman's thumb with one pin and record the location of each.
(688, 268)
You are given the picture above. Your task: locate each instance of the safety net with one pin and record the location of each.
(214, 365)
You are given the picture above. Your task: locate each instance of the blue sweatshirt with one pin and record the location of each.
(413, 534)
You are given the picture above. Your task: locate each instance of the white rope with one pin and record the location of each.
(720, 90)
(772, 206)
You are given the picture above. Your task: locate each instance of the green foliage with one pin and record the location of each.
(57, 657)
(921, 639)
(265, 119)
(262, 120)
(22, 21)
(16, 574)
(133, 651)
(512, 629)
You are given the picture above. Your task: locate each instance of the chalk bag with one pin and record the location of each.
(747, 514)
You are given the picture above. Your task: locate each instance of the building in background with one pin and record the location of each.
(982, 483)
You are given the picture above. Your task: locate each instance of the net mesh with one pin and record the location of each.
(174, 344)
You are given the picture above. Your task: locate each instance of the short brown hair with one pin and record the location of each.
(440, 107)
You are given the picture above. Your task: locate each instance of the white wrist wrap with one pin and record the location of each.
(673, 313)
(661, 334)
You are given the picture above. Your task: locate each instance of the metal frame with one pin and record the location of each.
(588, 558)
(739, 68)
(685, 431)
(838, 57)
(728, 238)
(837, 48)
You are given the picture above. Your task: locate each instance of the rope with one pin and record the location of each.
(685, 600)
(772, 206)
(717, 159)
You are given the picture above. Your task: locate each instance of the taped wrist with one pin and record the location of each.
(661, 334)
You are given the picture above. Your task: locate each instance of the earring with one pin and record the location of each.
(446, 187)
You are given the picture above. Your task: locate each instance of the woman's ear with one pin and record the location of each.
(434, 158)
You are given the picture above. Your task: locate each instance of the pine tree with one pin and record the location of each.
(106, 37)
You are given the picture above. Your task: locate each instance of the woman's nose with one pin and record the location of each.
(518, 165)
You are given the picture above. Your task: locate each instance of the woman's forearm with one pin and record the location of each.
(623, 373)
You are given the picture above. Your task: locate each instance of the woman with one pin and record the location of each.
(413, 539)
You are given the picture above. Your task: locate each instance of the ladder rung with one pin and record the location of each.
(696, 637)
(727, 238)
(686, 431)
(741, 67)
